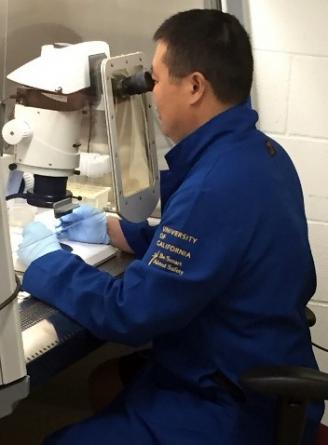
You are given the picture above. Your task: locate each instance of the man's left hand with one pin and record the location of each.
(38, 240)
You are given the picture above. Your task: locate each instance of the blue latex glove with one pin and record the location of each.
(38, 240)
(85, 224)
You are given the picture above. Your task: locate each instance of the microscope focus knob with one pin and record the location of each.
(14, 131)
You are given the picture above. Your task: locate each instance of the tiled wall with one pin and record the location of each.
(290, 41)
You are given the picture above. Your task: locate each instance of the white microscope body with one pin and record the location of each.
(46, 129)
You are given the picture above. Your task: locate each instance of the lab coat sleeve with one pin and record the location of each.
(138, 235)
(192, 258)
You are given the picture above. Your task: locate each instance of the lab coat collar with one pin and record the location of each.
(223, 128)
(230, 123)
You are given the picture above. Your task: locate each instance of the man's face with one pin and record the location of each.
(170, 97)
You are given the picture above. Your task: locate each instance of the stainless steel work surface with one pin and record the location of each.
(52, 341)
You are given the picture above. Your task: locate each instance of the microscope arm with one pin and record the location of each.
(14, 383)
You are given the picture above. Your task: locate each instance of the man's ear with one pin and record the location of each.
(198, 86)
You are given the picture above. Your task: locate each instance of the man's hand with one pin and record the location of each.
(85, 224)
(38, 240)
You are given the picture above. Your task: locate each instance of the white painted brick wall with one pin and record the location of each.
(318, 232)
(292, 26)
(308, 96)
(290, 41)
(310, 157)
(271, 82)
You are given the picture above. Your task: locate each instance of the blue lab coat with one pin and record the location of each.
(219, 286)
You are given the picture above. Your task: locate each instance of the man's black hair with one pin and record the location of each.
(213, 43)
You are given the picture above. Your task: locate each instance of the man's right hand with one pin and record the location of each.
(85, 224)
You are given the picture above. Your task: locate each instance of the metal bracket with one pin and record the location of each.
(64, 207)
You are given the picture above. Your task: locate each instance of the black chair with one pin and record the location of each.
(295, 388)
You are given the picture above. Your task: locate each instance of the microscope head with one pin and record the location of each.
(54, 89)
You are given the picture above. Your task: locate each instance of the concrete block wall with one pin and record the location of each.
(290, 41)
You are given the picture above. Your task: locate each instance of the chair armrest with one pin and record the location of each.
(310, 316)
(297, 383)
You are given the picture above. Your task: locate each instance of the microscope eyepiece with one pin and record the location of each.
(139, 83)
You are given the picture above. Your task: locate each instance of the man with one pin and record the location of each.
(220, 285)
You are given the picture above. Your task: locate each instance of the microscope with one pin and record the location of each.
(68, 91)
